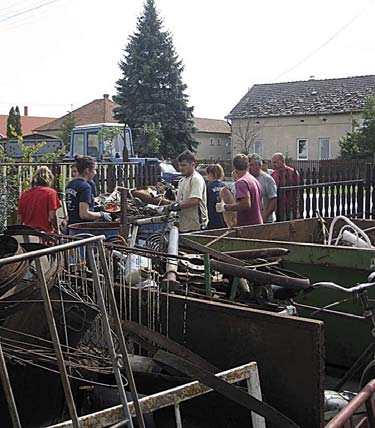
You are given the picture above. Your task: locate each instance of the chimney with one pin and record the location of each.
(106, 96)
(25, 110)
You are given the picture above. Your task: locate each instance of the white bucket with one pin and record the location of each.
(136, 268)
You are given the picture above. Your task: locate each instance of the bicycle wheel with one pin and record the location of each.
(368, 374)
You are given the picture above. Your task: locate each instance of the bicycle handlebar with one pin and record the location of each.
(353, 290)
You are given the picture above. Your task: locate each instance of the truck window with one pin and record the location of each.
(78, 146)
(93, 145)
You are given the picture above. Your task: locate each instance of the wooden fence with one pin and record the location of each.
(109, 175)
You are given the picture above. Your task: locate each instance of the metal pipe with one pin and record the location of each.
(51, 250)
(56, 343)
(348, 411)
(258, 277)
(115, 358)
(151, 220)
(124, 227)
(8, 391)
(120, 336)
(177, 415)
(172, 264)
(134, 234)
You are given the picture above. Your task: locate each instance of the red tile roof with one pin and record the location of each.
(98, 111)
(29, 123)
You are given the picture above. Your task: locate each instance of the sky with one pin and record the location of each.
(58, 55)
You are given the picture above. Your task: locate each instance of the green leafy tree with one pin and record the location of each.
(151, 90)
(68, 123)
(148, 143)
(11, 124)
(17, 121)
(360, 143)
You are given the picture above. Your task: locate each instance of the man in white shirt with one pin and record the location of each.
(191, 195)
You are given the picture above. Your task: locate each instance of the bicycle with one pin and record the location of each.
(360, 294)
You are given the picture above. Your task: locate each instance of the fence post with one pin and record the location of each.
(367, 193)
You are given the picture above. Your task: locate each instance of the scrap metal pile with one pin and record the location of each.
(141, 202)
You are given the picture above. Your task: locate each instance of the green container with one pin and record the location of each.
(347, 334)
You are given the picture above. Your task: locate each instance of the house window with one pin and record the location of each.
(218, 142)
(302, 149)
(212, 141)
(324, 149)
(258, 147)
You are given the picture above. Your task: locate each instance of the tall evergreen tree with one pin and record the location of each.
(151, 91)
(18, 125)
(11, 123)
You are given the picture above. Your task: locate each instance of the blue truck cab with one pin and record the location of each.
(91, 140)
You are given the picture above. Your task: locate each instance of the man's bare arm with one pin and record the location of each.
(241, 204)
(192, 202)
(270, 209)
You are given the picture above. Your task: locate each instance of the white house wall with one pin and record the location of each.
(280, 134)
(212, 145)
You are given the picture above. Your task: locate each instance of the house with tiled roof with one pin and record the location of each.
(97, 111)
(28, 123)
(213, 136)
(303, 119)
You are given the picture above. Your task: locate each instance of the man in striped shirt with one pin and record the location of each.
(285, 176)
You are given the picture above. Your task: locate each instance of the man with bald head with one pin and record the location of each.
(285, 176)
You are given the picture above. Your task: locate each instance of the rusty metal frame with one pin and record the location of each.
(365, 396)
(173, 397)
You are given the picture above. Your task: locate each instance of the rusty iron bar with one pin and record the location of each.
(262, 253)
(258, 277)
(115, 358)
(120, 335)
(210, 251)
(363, 397)
(124, 227)
(151, 403)
(164, 342)
(226, 233)
(56, 343)
(8, 392)
(207, 275)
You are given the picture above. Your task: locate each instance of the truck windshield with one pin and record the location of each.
(114, 148)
